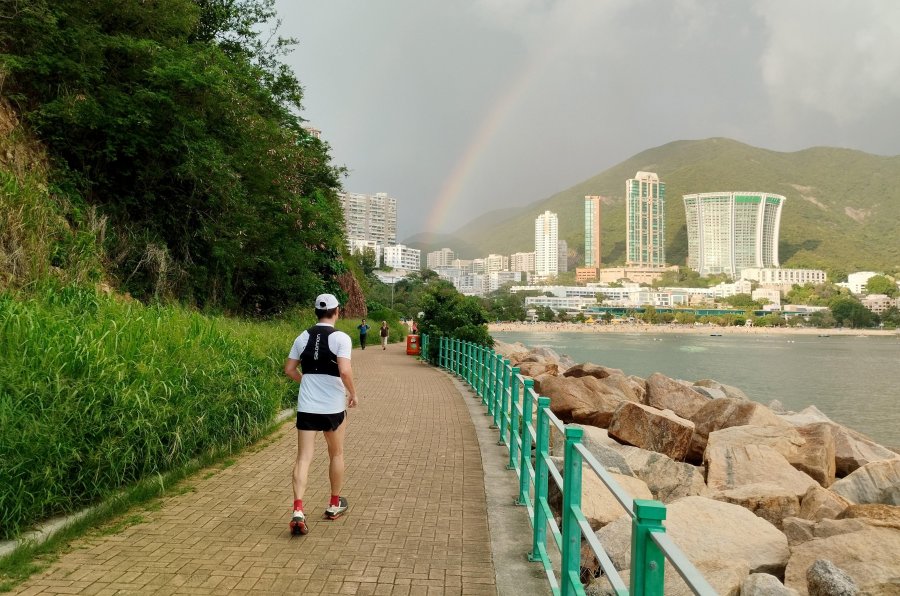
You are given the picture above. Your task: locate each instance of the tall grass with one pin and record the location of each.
(96, 393)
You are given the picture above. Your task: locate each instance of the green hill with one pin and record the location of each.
(842, 209)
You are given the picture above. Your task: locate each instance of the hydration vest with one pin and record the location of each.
(317, 358)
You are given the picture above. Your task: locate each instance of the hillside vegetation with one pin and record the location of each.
(172, 125)
(841, 213)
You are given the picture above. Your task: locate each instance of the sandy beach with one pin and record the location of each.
(695, 329)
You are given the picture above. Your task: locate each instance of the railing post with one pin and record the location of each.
(525, 455)
(498, 391)
(453, 355)
(541, 480)
(467, 361)
(442, 358)
(482, 374)
(647, 561)
(504, 399)
(571, 500)
(486, 397)
(514, 430)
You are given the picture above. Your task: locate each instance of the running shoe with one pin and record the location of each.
(335, 511)
(298, 524)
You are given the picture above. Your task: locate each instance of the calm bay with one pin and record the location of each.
(854, 380)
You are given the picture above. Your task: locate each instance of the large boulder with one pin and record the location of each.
(769, 501)
(601, 446)
(588, 369)
(808, 415)
(667, 479)
(627, 387)
(598, 504)
(536, 369)
(667, 394)
(728, 390)
(874, 514)
(868, 556)
(724, 413)
(819, 503)
(798, 530)
(825, 579)
(816, 456)
(763, 584)
(507, 350)
(585, 400)
(708, 531)
(877, 482)
(730, 466)
(852, 449)
(652, 429)
(810, 449)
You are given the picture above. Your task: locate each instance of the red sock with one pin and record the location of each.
(335, 501)
(298, 504)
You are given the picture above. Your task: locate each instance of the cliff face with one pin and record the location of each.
(355, 307)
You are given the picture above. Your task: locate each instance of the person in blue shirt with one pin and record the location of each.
(363, 331)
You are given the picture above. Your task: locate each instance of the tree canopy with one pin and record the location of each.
(177, 120)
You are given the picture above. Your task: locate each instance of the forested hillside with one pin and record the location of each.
(168, 135)
(841, 214)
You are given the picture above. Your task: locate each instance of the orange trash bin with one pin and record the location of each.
(412, 345)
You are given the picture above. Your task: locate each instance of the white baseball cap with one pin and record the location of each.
(326, 302)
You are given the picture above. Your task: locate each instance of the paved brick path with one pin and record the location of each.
(417, 522)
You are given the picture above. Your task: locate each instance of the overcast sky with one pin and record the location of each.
(458, 107)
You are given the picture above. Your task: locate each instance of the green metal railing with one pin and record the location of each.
(510, 399)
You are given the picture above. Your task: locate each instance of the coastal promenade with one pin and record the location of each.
(418, 523)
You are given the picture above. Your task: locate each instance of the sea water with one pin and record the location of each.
(855, 380)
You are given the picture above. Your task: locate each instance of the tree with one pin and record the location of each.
(881, 284)
(178, 122)
(850, 312)
(447, 313)
(742, 301)
(366, 260)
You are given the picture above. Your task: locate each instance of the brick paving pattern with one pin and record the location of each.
(417, 521)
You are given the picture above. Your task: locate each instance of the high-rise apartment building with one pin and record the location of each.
(546, 245)
(592, 231)
(370, 217)
(563, 255)
(645, 204)
(494, 263)
(522, 261)
(440, 258)
(731, 231)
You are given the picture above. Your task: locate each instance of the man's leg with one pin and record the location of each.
(362, 342)
(306, 445)
(335, 440)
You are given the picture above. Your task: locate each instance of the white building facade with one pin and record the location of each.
(400, 256)
(778, 276)
(546, 245)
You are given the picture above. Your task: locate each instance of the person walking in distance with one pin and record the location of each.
(363, 331)
(326, 390)
(384, 334)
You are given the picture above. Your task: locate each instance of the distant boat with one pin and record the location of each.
(715, 335)
(824, 335)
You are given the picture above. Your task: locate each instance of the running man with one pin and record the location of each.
(323, 355)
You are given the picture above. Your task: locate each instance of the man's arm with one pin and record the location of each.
(347, 378)
(291, 369)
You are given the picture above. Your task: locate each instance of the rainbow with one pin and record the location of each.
(484, 134)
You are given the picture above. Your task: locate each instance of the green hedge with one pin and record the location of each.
(96, 393)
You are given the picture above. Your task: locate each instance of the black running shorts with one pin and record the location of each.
(323, 422)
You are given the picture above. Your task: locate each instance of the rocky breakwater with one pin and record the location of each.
(761, 500)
